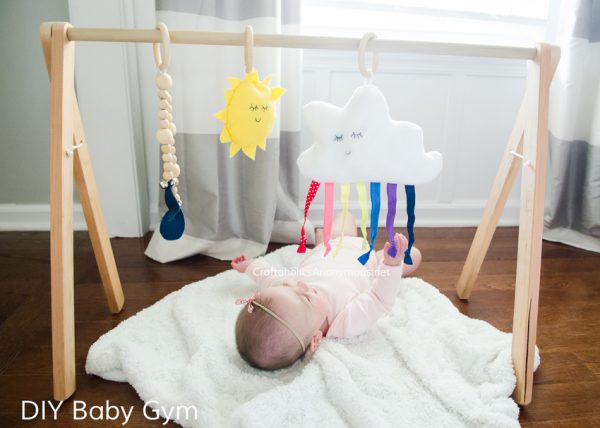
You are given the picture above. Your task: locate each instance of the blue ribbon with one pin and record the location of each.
(375, 206)
(410, 223)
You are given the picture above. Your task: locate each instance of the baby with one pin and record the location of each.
(326, 297)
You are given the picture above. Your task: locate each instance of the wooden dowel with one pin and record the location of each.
(299, 42)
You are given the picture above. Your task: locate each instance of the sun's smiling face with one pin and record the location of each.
(249, 115)
(266, 110)
(251, 112)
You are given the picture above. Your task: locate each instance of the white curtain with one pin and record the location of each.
(574, 125)
(231, 206)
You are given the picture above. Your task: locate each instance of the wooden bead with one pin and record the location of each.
(170, 117)
(173, 150)
(163, 81)
(174, 159)
(175, 190)
(165, 148)
(173, 128)
(164, 136)
(168, 157)
(165, 105)
(168, 166)
(163, 114)
(167, 175)
(165, 95)
(164, 124)
(175, 170)
(178, 198)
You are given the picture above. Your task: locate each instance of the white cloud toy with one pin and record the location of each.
(360, 143)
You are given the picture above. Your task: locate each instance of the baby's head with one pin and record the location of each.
(280, 325)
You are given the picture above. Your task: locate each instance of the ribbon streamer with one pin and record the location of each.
(328, 217)
(375, 206)
(312, 192)
(391, 215)
(344, 197)
(361, 189)
(410, 223)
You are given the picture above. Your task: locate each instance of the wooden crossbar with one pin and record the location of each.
(528, 141)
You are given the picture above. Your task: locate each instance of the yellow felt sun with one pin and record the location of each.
(249, 114)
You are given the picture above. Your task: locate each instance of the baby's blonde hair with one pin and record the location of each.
(263, 341)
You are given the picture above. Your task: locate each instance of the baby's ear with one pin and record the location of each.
(315, 340)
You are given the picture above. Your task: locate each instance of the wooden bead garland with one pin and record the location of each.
(166, 128)
(166, 134)
(172, 223)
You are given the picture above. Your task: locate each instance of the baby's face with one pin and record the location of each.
(303, 307)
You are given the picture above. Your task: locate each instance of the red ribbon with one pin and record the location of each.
(312, 192)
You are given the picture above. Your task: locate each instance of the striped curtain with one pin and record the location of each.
(232, 206)
(574, 122)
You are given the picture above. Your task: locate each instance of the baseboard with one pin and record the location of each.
(429, 214)
(34, 217)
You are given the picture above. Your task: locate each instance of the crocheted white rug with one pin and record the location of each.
(423, 365)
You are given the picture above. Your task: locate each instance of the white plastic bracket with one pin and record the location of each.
(519, 155)
(70, 151)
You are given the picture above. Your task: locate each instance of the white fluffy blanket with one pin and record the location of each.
(423, 365)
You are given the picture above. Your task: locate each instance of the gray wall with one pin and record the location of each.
(25, 93)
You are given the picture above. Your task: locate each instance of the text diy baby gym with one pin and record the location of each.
(152, 411)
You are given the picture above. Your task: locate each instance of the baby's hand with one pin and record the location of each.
(401, 245)
(240, 263)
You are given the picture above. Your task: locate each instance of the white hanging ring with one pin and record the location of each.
(361, 57)
(162, 61)
(248, 46)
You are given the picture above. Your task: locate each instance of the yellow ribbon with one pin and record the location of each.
(361, 188)
(344, 197)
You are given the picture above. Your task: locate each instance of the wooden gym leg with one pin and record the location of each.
(535, 149)
(62, 169)
(61, 211)
(505, 177)
(90, 200)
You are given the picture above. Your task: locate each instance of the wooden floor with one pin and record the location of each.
(567, 385)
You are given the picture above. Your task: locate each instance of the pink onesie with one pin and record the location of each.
(358, 295)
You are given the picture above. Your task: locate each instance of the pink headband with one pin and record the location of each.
(251, 301)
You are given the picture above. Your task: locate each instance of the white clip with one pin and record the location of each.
(519, 155)
(70, 151)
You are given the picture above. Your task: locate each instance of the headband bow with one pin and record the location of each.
(249, 300)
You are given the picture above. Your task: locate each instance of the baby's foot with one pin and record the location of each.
(240, 263)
